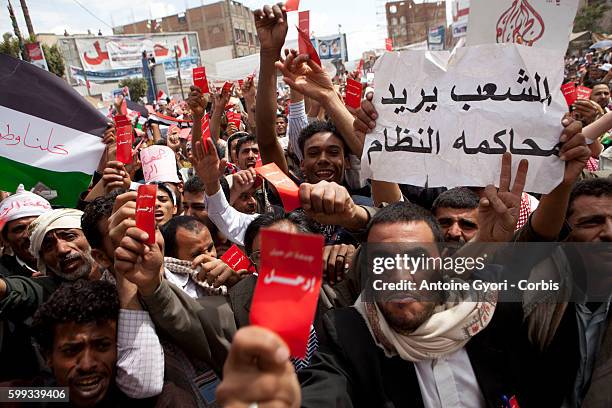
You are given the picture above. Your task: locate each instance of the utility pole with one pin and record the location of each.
(28, 20)
(178, 69)
(24, 54)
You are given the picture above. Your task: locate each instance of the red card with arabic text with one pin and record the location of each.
(569, 92)
(236, 259)
(582, 92)
(353, 93)
(145, 210)
(292, 5)
(124, 144)
(199, 79)
(287, 290)
(287, 189)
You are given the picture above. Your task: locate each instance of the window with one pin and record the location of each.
(394, 21)
(237, 35)
(402, 20)
(182, 18)
(393, 9)
(251, 42)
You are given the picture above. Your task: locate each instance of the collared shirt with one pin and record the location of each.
(140, 357)
(449, 382)
(591, 328)
(25, 265)
(185, 282)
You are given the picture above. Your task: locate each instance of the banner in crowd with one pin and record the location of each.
(460, 12)
(435, 38)
(36, 55)
(538, 23)
(332, 47)
(50, 136)
(113, 58)
(447, 122)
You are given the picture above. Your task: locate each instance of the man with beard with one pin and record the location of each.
(62, 253)
(457, 212)
(247, 152)
(403, 350)
(17, 212)
(64, 256)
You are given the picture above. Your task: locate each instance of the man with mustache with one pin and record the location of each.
(457, 212)
(17, 212)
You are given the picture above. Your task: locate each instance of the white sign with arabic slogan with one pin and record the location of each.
(446, 121)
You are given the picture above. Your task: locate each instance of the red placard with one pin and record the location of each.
(258, 163)
(389, 44)
(304, 40)
(205, 131)
(292, 5)
(145, 210)
(236, 259)
(287, 291)
(121, 120)
(569, 92)
(240, 83)
(303, 25)
(582, 92)
(199, 79)
(124, 144)
(227, 87)
(353, 93)
(288, 191)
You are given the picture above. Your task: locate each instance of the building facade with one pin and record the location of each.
(409, 23)
(226, 25)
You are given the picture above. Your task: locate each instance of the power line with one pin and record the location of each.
(92, 14)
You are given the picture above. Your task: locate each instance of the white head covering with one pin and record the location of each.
(65, 218)
(22, 204)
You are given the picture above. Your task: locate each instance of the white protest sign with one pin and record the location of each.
(538, 23)
(159, 164)
(445, 122)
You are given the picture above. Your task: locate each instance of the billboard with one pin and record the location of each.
(331, 47)
(435, 38)
(112, 58)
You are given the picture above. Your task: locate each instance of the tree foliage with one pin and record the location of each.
(55, 61)
(589, 18)
(137, 87)
(9, 45)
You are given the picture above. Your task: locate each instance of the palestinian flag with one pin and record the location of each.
(50, 136)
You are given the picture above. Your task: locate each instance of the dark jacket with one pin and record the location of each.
(351, 371)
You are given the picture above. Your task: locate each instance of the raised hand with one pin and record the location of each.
(306, 77)
(271, 25)
(208, 166)
(365, 117)
(115, 177)
(197, 103)
(499, 209)
(258, 370)
(139, 262)
(574, 151)
(215, 271)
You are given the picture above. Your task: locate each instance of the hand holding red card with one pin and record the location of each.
(227, 87)
(569, 92)
(285, 298)
(305, 46)
(236, 259)
(199, 79)
(353, 93)
(287, 189)
(145, 210)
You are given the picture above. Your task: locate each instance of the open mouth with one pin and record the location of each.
(70, 265)
(89, 386)
(325, 174)
(159, 215)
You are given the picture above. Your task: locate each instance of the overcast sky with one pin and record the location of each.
(359, 18)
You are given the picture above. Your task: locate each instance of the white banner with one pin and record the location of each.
(446, 122)
(111, 53)
(538, 23)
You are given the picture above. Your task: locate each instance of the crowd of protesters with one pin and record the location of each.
(86, 303)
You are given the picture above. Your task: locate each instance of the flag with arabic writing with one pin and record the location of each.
(50, 136)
